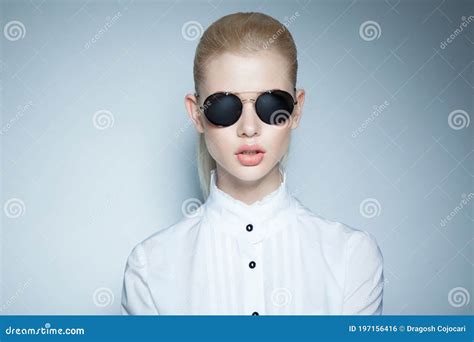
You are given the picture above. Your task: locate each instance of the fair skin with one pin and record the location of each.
(246, 75)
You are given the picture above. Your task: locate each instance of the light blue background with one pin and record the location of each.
(88, 195)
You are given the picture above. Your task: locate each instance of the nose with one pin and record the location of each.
(249, 123)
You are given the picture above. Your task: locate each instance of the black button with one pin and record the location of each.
(252, 264)
(249, 227)
(255, 313)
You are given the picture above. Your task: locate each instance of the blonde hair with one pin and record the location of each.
(239, 33)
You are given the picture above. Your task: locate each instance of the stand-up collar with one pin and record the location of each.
(235, 214)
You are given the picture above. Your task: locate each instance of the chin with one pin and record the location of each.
(251, 173)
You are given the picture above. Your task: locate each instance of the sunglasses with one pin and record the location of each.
(273, 107)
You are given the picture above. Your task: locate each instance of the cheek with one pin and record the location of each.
(278, 141)
(218, 144)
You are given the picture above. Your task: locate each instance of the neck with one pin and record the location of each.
(248, 191)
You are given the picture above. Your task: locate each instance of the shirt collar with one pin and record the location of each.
(231, 210)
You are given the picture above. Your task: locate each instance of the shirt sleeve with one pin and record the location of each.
(363, 288)
(136, 295)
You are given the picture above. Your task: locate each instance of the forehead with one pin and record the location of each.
(258, 71)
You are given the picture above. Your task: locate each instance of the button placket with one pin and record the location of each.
(255, 305)
(254, 232)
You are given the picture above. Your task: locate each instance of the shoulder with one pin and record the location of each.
(337, 234)
(164, 240)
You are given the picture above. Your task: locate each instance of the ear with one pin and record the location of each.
(298, 110)
(192, 107)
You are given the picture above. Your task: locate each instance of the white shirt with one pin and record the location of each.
(274, 257)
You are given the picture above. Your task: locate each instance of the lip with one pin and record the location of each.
(250, 160)
(255, 147)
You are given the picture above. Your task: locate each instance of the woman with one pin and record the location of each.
(251, 248)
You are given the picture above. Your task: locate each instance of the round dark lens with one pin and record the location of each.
(222, 109)
(275, 107)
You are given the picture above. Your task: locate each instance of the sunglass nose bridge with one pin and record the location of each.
(248, 100)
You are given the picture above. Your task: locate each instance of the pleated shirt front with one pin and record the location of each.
(273, 257)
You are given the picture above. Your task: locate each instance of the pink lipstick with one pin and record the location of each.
(250, 155)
